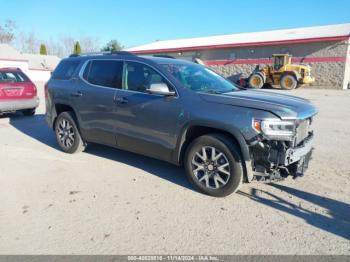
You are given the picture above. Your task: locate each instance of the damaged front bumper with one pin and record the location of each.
(293, 155)
(275, 160)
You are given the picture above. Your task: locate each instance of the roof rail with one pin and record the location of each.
(121, 53)
(102, 53)
(165, 56)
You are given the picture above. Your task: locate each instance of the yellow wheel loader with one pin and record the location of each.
(282, 72)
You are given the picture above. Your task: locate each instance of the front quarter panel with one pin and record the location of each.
(232, 119)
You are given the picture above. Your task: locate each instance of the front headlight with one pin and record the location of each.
(275, 129)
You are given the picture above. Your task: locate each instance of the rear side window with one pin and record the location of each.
(13, 77)
(65, 70)
(107, 73)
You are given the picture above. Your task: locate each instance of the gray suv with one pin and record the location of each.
(182, 113)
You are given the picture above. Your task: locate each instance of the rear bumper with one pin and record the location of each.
(14, 105)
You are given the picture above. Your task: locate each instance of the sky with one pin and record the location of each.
(136, 22)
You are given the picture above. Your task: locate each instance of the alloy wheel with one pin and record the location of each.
(211, 167)
(65, 133)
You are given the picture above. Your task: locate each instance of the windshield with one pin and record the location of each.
(199, 78)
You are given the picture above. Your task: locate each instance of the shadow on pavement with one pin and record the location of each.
(335, 221)
(37, 128)
(156, 167)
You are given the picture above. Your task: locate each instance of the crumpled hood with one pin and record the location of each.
(284, 106)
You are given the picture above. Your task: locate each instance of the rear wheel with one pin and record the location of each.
(28, 112)
(288, 82)
(256, 81)
(67, 133)
(213, 165)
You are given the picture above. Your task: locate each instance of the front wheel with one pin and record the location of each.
(213, 165)
(288, 82)
(67, 133)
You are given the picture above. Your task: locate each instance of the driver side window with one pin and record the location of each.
(139, 77)
(278, 63)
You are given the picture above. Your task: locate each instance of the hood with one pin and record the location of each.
(283, 106)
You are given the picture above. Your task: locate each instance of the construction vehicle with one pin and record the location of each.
(282, 72)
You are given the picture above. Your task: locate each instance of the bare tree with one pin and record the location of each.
(68, 44)
(55, 47)
(89, 44)
(64, 45)
(28, 42)
(7, 34)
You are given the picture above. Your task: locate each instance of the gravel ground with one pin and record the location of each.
(106, 201)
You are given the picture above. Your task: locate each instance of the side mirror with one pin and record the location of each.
(160, 89)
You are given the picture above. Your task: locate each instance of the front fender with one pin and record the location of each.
(296, 74)
(215, 126)
(234, 132)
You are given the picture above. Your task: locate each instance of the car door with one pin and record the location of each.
(94, 97)
(146, 123)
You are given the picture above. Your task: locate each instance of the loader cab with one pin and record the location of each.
(280, 60)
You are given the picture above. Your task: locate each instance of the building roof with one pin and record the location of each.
(35, 61)
(7, 52)
(42, 62)
(285, 36)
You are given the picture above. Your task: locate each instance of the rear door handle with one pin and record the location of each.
(76, 94)
(121, 100)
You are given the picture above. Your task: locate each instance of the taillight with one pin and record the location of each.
(46, 90)
(35, 90)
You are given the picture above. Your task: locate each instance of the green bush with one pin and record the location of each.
(112, 46)
(43, 49)
(77, 48)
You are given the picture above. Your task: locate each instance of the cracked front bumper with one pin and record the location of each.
(278, 159)
(293, 155)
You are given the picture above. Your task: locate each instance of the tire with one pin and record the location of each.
(288, 82)
(228, 166)
(256, 81)
(28, 112)
(67, 134)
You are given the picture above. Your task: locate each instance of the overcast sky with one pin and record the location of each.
(135, 22)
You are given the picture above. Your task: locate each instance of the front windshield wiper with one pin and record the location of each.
(216, 92)
(234, 90)
(212, 92)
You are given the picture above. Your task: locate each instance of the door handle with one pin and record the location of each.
(121, 100)
(77, 94)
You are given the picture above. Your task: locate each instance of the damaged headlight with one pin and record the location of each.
(275, 129)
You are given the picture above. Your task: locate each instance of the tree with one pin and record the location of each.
(77, 48)
(27, 42)
(43, 50)
(89, 44)
(7, 32)
(112, 46)
(55, 47)
(67, 42)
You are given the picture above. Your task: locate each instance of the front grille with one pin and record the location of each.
(302, 131)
